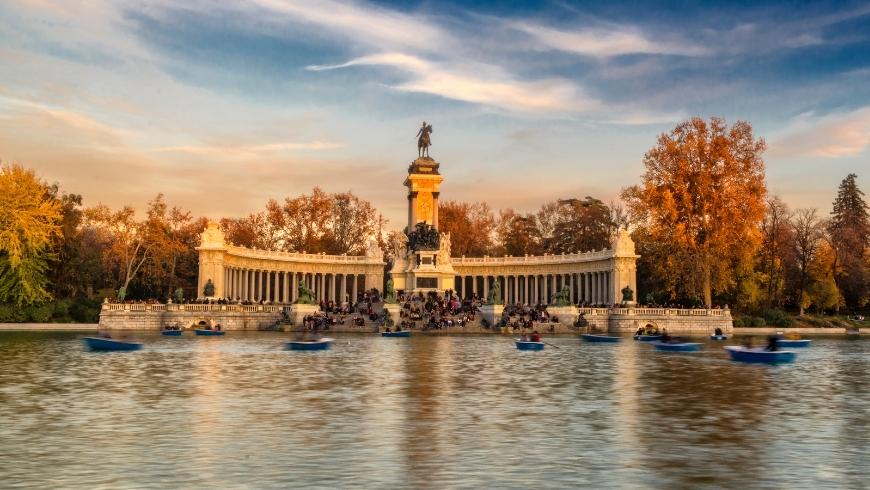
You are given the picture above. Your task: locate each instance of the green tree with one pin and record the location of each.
(29, 224)
(849, 230)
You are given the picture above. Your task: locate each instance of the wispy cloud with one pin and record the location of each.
(248, 151)
(840, 134)
(479, 83)
(604, 42)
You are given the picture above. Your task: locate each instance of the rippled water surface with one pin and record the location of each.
(427, 412)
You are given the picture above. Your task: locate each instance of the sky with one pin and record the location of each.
(223, 105)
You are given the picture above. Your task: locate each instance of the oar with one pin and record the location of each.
(554, 345)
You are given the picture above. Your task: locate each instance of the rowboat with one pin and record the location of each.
(718, 337)
(647, 338)
(678, 346)
(171, 333)
(202, 331)
(319, 344)
(99, 343)
(529, 345)
(793, 343)
(403, 333)
(758, 354)
(591, 337)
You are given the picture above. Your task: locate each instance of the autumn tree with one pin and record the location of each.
(319, 222)
(127, 242)
(578, 225)
(522, 236)
(776, 232)
(29, 223)
(701, 201)
(471, 227)
(173, 234)
(849, 230)
(806, 237)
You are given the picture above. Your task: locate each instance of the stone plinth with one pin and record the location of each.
(567, 315)
(491, 313)
(393, 309)
(299, 311)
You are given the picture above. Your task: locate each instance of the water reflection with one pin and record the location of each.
(427, 412)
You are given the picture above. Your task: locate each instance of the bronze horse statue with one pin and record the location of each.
(423, 140)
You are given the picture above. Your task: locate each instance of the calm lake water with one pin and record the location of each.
(427, 412)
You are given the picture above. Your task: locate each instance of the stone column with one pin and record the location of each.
(353, 289)
(343, 288)
(435, 209)
(413, 197)
(485, 287)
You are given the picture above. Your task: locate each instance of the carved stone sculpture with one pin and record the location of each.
(627, 294)
(304, 295)
(424, 237)
(208, 290)
(494, 297)
(563, 297)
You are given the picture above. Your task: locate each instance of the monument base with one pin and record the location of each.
(299, 311)
(566, 315)
(491, 313)
(393, 309)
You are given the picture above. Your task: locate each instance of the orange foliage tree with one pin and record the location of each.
(472, 227)
(700, 205)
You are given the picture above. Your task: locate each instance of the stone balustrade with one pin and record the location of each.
(306, 258)
(196, 307)
(533, 259)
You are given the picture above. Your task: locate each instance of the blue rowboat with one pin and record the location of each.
(99, 343)
(403, 333)
(202, 331)
(172, 333)
(528, 345)
(591, 337)
(760, 355)
(320, 344)
(718, 337)
(647, 338)
(678, 346)
(793, 343)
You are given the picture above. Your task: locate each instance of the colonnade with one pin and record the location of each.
(282, 286)
(592, 288)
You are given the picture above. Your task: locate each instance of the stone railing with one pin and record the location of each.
(667, 311)
(195, 307)
(301, 257)
(534, 259)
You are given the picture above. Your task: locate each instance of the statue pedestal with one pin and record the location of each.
(299, 311)
(491, 313)
(393, 309)
(628, 304)
(567, 315)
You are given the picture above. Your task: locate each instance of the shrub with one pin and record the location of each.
(12, 314)
(40, 313)
(738, 322)
(756, 321)
(777, 318)
(85, 311)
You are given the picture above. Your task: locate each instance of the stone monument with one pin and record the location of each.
(422, 263)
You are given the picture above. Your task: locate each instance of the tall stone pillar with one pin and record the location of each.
(343, 298)
(435, 209)
(353, 289)
(268, 296)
